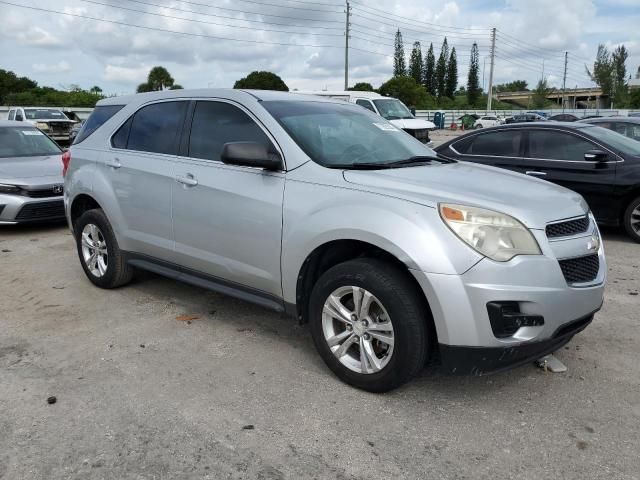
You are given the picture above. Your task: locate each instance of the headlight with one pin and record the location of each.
(492, 234)
(8, 188)
(42, 125)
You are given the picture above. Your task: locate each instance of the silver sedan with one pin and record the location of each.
(31, 185)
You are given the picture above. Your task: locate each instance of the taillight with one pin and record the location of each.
(66, 159)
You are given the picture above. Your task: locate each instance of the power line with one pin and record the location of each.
(207, 22)
(536, 47)
(389, 36)
(289, 6)
(396, 25)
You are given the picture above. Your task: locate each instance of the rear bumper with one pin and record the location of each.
(478, 361)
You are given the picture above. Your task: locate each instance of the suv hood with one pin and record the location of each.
(23, 170)
(532, 201)
(412, 123)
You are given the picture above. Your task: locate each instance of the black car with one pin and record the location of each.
(603, 166)
(627, 126)
(563, 117)
(526, 117)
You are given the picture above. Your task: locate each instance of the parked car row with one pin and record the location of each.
(54, 122)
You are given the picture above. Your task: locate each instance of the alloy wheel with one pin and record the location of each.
(94, 250)
(358, 329)
(635, 220)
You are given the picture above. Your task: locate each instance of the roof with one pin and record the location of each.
(612, 119)
(541, 124)
(229, 93)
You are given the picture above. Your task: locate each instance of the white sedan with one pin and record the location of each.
(488, 121)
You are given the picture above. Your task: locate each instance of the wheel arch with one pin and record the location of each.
(80, 204)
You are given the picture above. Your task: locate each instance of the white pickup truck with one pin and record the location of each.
(51, 121)
(389, 108)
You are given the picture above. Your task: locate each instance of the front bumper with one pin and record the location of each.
(535, 283)
(19, 209)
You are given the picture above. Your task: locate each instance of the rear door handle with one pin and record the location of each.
(115, 163)
(536, 173)
(187, 180)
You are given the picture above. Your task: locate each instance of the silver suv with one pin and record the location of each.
(325, 211)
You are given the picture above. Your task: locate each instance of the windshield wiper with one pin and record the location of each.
(415, 160)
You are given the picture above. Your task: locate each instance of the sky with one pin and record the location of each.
(213, 43)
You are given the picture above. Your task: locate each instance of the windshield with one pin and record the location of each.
(624, 144)
(392, 109)
(44, 114)
(25, 142)
(344, 135)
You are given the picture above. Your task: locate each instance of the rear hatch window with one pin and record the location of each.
(97, 118)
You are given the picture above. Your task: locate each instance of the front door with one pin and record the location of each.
(227, 219)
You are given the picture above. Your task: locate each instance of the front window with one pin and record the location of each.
(624, 144)
(344, 136)
(25, 142)
(392, 109)
(44, 114)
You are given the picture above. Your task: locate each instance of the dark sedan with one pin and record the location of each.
(627, 126)
(603, 166)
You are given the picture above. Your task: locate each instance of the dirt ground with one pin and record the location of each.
(239, 392)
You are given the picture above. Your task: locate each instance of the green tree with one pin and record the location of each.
(176, 86)
(473, 78)
(96, 90)
(634, 98)
(540, 94)
(429, 75)
(405, 89)
(620, 90)
(399, 63)
(363, 87)
(415, 63)
(515, 86)
(441, 69)
(602, 72)
(261, 80)
(451, 83)
(158, 79)
(11, 83)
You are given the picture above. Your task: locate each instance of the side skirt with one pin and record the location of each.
(206, 281)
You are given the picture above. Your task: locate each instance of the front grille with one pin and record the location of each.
(56, 191)
(41, 211)
(568, 228)
(580, 269)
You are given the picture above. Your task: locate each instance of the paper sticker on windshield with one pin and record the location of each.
(32, 132)
(387, 127)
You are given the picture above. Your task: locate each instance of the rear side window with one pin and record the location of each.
(554, 145)
(495, 144)
(217, 123)
(156, 128)
(97, 118)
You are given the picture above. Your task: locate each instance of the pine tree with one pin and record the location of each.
(473, 79)
(452, 74)
(415, 63)
(429, 75)
(399, 63)
(441, 69)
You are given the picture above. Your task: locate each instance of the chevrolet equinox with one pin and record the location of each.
(326, 211)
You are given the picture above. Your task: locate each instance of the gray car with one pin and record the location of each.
(30, 175)
(327, 212)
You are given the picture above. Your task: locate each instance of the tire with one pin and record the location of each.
(632, 219)
(396, 309)
(110, 270)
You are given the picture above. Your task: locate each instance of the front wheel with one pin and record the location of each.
(632, 219)
(369, 324)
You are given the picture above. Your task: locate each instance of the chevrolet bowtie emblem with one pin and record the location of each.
(57, 189)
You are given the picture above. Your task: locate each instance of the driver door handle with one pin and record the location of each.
(187, 180)
(536, 173)
(115, 163)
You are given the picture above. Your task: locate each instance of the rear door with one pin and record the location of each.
(497, 148)
(558, 156)
(140, 170)
(227, 218)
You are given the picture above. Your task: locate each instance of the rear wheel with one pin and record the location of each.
(368, 322)
(100, 256)
(632, 219)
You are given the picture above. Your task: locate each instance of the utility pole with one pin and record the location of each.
(346, 46)
(493, 54)
(564, 77)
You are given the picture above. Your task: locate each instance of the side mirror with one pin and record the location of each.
(596, 156)
(19, 118)
(413, 111)
(250, 154)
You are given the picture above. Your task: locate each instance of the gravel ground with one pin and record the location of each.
(239, 392)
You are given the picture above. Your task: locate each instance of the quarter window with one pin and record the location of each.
(496, 144)
(366, 104)
(556, 145)
(97, 118)
(217, 123)
(156, 128)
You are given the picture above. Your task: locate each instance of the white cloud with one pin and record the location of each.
(60, 67)
(131, 75)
